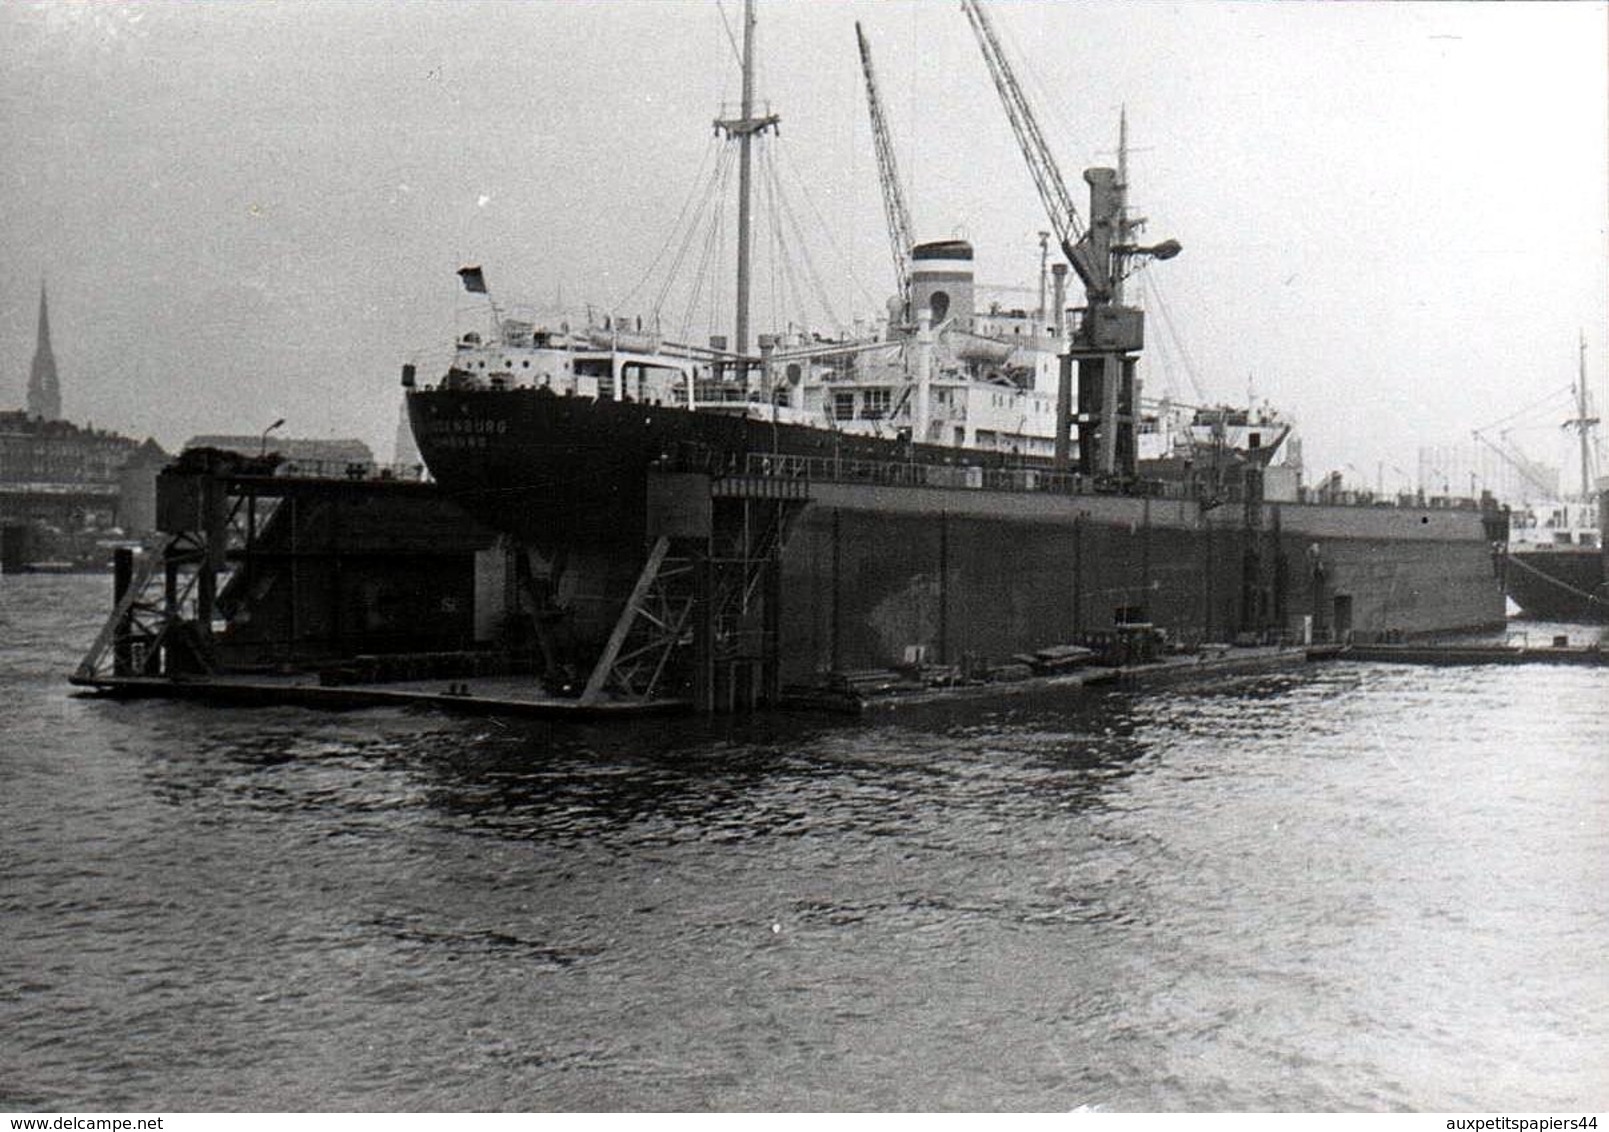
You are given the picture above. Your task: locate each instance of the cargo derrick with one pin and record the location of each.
(899, 218)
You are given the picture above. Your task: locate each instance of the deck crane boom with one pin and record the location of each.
(899, 217)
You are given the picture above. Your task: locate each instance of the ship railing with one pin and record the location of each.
(726, 393)
(911, 473)
(1401, 500)
(349, 470)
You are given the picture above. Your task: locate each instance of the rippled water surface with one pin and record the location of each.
(1350, 887)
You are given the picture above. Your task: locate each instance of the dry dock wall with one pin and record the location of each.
(874, 576)
(1378, 571)
(871, 575)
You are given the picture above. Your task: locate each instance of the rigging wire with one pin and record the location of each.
(826, 229)
(801, 296)
(785, 293)
(712, 324)
(811, 273)
(710, 240)
(712, 152)
(1164, 362)
(713, 192)
(792, 301)
(737, 52)
(1161, 306)
(773, 243)
(798, 301)
(783, 290)
(700, 222)
(1533, 406)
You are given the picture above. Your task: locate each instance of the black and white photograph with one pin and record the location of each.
(803, 556)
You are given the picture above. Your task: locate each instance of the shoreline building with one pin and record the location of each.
(66, 489)
(308, 456)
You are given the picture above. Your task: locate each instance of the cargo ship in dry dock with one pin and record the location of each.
(943, 494)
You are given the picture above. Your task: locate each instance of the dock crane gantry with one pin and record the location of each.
(1108, 334)
(899, 217)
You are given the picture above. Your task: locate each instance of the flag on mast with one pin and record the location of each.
(474, 280)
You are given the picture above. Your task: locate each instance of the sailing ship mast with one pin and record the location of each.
(744, 128)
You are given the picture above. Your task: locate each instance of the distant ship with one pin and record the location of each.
(1556, 567)
(1556, 552)
(972, 485)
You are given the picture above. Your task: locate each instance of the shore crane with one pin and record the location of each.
(1108, 334)
(899, 217)
(1096, 254)
(1065, 223)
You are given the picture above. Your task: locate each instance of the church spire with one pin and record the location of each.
(44, 391)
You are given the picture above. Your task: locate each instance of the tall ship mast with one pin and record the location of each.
(745, 128)
(1582, 422)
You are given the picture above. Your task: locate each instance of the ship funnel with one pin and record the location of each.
(941, 281)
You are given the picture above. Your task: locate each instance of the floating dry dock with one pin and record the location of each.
(356, 590)
(352, 587)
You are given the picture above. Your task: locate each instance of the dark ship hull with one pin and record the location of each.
(566, 471)
(948, 555)
(1559, 584)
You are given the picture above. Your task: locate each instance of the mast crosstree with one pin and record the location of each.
(745, 128)
(1582, 423)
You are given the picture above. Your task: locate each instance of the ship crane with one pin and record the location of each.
(899, 217)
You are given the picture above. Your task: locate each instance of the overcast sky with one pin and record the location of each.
(1393, 215)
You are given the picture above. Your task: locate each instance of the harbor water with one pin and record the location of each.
(1351, 886)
